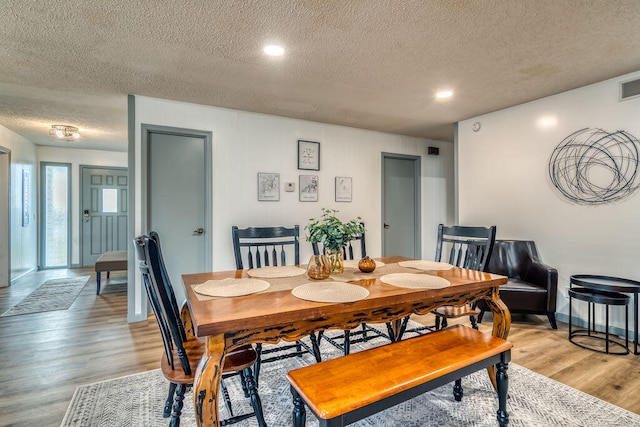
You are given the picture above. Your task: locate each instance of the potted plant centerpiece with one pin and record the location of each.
(334, 235)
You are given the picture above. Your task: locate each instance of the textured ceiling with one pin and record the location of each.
(369, 64)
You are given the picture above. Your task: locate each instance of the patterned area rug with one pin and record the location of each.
(534, 400)
(55, 294)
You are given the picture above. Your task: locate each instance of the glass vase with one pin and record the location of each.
(319, 267)
(336, 258)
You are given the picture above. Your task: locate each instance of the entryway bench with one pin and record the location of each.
(346, 389)
(110, 261)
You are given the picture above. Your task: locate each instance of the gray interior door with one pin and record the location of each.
(178, 201)
(104, 210)
(401, 205)
(5, 256)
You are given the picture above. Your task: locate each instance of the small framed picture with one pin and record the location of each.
(308, 188)
(268, 186)
(308, 155)
(343, 189)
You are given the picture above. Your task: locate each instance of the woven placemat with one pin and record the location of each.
(353, 263)
(231, 287)
(330, 292)
(421, 264)
(275, 272)
(413, 280)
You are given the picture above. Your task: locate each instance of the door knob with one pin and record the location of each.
(386, 225)
(199, 230)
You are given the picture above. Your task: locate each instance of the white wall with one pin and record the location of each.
(24, 243)
(77, 157)
(503, 180)
(246, 143)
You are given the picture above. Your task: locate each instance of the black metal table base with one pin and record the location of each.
(584, 337)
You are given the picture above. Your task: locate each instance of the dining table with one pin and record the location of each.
(285, 309)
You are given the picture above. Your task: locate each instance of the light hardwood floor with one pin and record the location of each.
(45, 356)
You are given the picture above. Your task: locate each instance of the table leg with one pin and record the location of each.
(207, 383)
(501, 326)
(635, 322)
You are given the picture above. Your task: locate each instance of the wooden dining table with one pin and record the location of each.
(275, 315)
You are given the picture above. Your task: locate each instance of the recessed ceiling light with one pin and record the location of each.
(273, 50)
(444, 94)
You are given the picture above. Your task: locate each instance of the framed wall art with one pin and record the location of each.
(308, 155)
(343, 189)
(268, 186)
(308, 188)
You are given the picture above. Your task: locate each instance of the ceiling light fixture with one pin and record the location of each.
(444, 94)
(64, 132)
(273, 50)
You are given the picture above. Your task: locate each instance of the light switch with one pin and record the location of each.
(289, 186)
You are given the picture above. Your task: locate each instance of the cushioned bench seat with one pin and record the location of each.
(110, 261)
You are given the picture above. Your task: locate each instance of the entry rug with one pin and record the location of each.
(54, 294)
(535, 401)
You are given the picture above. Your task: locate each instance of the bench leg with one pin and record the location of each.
(98, 274)
(502, 380)
(299, 413)
(457, 390)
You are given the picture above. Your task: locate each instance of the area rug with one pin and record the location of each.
(534, 400)
(54, 294)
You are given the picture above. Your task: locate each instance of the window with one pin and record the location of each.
(55, 214)
(109, 200)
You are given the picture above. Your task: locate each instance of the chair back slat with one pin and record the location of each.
(162, 298)
(469, 247)
(259, 246)
(347, 250)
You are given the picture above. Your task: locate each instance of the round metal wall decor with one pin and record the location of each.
(594, 167)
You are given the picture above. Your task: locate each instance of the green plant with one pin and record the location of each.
(331, 231)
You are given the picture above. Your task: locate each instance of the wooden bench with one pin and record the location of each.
(344, 390)
(110, 261)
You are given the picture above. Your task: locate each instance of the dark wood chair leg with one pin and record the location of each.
(227, 399)
(315, 345)
(98, 274)
(177, 405)
(169, 402)
(481, 315)
(256, 366)
(256, 404)
(474, 323)
(347, 342)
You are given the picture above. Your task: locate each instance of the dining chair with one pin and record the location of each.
(257, 247)
(349, 337)
(182, 349)
(466, 247)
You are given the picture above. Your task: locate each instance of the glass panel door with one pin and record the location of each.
(56, 215)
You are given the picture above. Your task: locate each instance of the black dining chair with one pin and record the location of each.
(182, 349)
(349, 337)
(257, 247)
(466, 247)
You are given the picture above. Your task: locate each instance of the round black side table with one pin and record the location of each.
(593, 297)
(612, 284)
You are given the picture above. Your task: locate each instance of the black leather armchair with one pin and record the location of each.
(532, 285)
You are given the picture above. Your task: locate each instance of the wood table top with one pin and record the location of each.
(217, 316)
